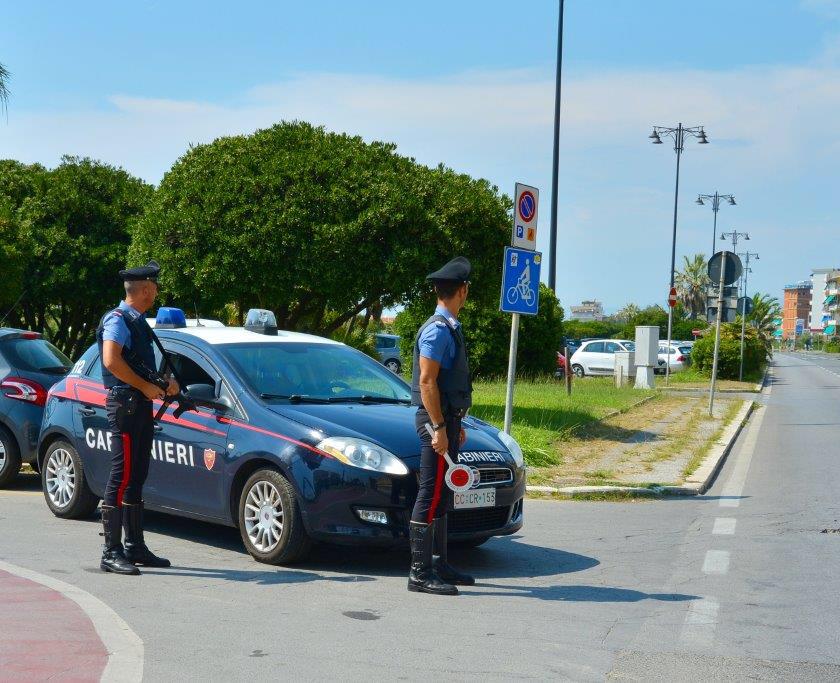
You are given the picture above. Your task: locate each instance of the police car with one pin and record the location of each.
(298, 439)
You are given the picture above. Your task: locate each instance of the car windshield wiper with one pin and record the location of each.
(368, 398)
(295, 398)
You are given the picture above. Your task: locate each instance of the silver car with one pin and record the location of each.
(388, 348)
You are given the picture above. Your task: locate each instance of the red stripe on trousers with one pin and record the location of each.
(126, 468)
(438, 485)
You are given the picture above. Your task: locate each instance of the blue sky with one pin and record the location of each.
(470, 84)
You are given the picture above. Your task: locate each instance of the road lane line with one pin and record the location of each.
(724, 526)
(716, 562)
(700, 623)
(125, 649)
(734, 487)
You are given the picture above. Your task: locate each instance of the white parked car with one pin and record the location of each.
(597, 357)
(679, 357)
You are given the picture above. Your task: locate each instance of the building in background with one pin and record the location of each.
(588, 310)
(796, 306)
(818, 316)
(831, 304)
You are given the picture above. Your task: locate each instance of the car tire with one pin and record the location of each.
(267, 492)
(469, 543)
(63, 481)
(578, 370)
(393, 365)
(9, 457)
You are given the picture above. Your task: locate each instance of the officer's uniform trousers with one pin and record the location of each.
(131, 424)
(434, 497)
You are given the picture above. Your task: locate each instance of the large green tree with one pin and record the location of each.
(71, 232)
(316, 226)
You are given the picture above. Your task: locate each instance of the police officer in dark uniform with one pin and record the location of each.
(128, 361)
(441, 389)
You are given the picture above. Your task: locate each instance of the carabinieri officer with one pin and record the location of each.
(441, 389)
(125, 346)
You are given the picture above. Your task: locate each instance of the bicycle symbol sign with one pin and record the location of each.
(520, 281)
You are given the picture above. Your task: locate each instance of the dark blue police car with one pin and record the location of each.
(301, 439)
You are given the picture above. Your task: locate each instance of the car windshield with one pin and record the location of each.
(321, 373)
(34, 355)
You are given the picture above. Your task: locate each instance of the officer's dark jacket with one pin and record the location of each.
(140, 357)
(455, 383)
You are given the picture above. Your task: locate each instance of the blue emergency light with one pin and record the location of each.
(170, 318)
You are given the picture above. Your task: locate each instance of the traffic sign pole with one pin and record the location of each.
(672, 301)
(717, 334)
(514, 343)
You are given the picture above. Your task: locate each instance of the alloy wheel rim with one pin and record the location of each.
(2, 455)
(61, 477)
(264, 516)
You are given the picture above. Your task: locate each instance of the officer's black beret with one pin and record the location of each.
(458, 269)
(148, 272)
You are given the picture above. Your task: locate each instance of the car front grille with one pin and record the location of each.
(480, 519)
(495, 475)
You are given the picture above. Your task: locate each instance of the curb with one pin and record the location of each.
(697, 483)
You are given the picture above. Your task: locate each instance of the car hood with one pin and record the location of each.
(391, 426)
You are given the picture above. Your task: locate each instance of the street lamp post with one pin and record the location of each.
(555, 160)
(715, 199)
(747, 270)
(678, 134)
(735, 236)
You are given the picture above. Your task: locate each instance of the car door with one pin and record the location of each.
(607, 365)
(90, 423)
(592, 357)
(189, 452)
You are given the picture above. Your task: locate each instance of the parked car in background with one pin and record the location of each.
(678, 357)
(29, 366)
(597, 357)
(571, 344)
(560, 369)
(388, 348)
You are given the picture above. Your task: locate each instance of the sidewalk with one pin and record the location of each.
(45, 635)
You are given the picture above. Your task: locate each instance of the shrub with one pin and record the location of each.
(729, 358)
(832, 346)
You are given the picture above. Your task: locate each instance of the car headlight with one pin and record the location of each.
(513, 447)
(364, 454)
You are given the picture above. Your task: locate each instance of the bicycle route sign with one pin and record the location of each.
(525, 217)
(521, 281)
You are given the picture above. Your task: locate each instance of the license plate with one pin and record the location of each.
(483, 498)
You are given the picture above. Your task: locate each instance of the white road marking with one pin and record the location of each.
(125, 649)
(724, 526)
(734, 487)
(700, 623)
(716, 562)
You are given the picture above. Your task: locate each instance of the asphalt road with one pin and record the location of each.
(739, 583)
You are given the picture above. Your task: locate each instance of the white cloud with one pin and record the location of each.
(769, 127)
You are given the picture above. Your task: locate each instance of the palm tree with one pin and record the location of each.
(5, 74)
(766, 310)
(692, 283)
(626, 314)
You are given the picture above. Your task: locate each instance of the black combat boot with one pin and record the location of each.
(445, 570)
(423, 578)
(136, 551)
(113, 559)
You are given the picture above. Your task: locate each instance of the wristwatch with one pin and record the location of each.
(437, 427)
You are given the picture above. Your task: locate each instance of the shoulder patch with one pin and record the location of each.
(440, 324)
(117, 312)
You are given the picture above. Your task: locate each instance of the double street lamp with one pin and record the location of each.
(715, 199)
(679, 135)
(735, 236)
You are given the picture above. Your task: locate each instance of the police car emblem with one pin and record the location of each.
(209, 458)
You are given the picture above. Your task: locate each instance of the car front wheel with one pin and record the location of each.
(270, 521)
(63, 481)
(578, 370)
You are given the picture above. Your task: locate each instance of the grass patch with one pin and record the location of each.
(544, 416)
(700, 453)
(693, 378)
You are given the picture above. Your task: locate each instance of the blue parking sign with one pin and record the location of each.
(520, 281)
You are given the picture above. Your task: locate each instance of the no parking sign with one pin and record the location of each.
(525, 217)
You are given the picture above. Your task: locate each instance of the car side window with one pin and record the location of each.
(94, 370)
(612, 347)
(386, 342)
(192, 369)
(595, 347)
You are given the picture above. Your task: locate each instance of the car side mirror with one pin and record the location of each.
(205, 395)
